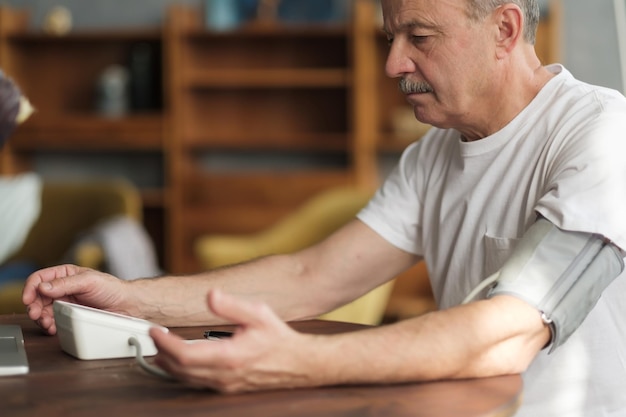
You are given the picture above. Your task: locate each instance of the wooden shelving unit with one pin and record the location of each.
(263, 92)
(59, 74)
(253, 121)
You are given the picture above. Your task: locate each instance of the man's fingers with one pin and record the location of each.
(69, 282)
(164, 340)
(238, 311)
(34, 282)
(169, 348)
(182, 352)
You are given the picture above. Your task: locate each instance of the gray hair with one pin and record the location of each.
(479, 9)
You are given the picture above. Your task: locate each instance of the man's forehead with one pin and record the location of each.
(402, 15)
(422, 4)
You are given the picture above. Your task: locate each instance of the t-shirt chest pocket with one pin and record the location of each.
(497, 251)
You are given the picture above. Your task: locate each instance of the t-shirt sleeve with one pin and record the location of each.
(586, 188)
(394, 210)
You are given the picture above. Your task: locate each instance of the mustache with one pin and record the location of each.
(412, 87)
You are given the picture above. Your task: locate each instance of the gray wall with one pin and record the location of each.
(124, 13)
(103, 13)
(590, 49)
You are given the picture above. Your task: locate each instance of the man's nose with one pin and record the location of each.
(398, 61)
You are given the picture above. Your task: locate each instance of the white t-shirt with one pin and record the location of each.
(462, 206)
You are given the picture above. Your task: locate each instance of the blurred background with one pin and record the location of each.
(235, 127)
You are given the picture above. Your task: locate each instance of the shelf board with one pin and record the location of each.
(153, 197)
(204, 188)
(91, 132)
(259, 29)
(88, 36)
(269, 78)
(325, 142)
(389, 143)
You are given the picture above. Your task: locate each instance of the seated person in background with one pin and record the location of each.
(14, 107)
(19, 195)
(521, 179)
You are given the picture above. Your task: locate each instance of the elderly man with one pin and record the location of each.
(514, 200)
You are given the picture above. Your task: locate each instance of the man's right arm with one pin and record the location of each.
(318, 279)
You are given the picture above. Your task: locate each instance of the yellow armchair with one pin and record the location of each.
(412, 294)
(311, 223)
(67, 210)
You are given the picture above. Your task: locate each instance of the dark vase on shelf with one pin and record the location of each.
(145, 77)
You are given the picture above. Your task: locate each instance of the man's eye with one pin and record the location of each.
(389, 40)
(419, 38)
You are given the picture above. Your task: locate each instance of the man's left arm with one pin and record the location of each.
(542, 294)
(498, 336)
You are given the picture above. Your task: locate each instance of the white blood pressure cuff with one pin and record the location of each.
(561, 273)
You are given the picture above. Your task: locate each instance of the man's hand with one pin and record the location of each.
(69, 283)
(264, 352)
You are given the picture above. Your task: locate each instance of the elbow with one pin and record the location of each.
(512, 354)
(523, 335)
(515, 362)
(506, 358)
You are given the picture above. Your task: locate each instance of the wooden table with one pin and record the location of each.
(60, 385)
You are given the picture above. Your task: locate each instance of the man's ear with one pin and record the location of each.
(510, 20)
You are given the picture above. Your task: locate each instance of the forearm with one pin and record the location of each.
(482, 339)
(301, 285)
(279, 281)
